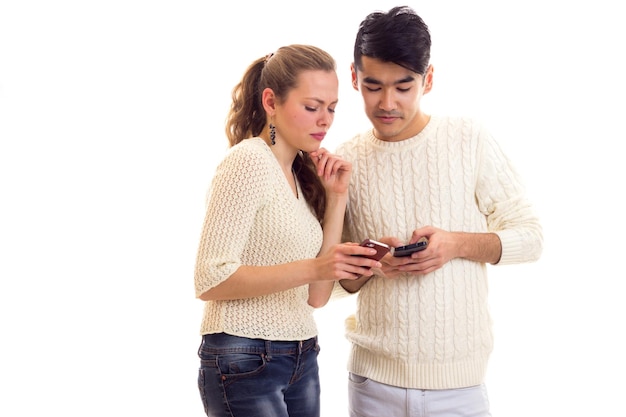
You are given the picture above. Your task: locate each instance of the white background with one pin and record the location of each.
(111, 122)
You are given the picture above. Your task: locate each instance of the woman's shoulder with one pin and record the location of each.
(252, 146)
(247, 164)
(249, 151)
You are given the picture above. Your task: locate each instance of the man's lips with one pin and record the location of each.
(387, 118)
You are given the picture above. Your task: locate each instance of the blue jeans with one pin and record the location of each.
(241, 377)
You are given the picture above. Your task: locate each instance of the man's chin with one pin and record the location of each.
(386, 133)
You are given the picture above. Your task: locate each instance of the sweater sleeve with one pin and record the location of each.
(338, 291)
(501, 197)
(235, 195)
(345, 153)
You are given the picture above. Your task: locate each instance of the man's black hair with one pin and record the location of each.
(399, 36)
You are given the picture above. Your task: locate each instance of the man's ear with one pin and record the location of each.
(355, 83)
(269, 101)
(428, 79)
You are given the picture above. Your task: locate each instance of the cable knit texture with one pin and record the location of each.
(432, 331)
(254, 218)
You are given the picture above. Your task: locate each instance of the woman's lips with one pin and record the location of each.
(319, 136)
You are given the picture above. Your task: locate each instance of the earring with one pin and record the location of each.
(273, 134)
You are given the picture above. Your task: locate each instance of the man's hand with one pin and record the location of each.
(443, 246)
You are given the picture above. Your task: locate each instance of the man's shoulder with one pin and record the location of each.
(456, 120)
(352, 142)
(457, 127)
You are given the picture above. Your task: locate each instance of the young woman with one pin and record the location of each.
(270, 247)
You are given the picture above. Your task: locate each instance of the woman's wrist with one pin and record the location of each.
(332, 196)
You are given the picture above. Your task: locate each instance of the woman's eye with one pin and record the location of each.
(310, 108)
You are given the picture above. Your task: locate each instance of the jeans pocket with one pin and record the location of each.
(235, 366)
(357, 379)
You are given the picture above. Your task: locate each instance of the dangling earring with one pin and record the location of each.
(273, 134)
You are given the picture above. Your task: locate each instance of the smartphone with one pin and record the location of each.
(407, 250)
(381, 249)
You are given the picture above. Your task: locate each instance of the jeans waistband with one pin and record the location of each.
(221, 343)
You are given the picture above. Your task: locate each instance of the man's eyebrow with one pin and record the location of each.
(407, 79)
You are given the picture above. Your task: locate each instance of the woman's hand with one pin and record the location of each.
(346, 261)
(333, 171)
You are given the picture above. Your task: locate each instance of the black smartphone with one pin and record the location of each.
(381, 249)
(407, 250)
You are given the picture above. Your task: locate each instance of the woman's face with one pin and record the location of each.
(308, 111)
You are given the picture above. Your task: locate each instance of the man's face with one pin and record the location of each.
(392, 95)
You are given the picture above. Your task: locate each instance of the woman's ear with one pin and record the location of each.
(269, 101)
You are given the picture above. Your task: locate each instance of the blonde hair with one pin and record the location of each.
(247, 118)
(278, 71)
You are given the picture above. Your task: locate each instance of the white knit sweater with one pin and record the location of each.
(253, 218)
(432, 331)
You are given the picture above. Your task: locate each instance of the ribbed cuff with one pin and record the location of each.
(512, 252)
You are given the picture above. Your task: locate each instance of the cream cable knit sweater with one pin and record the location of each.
(432, 331)
(253, 218)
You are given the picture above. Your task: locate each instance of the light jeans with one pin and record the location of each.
(369, 398)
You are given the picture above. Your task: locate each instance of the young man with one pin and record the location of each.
(422, 336)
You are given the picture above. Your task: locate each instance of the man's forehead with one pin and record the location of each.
(375, 71)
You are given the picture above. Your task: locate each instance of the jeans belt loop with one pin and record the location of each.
(268, 350)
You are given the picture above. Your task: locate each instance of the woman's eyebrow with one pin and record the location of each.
(320, 101)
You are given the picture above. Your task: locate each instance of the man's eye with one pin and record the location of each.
(373, 89)
(404, 90)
